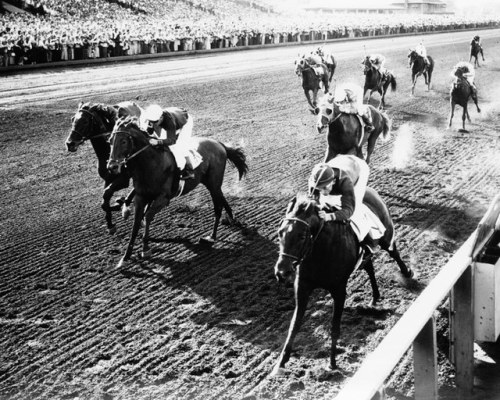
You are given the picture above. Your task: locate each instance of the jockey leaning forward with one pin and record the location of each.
(173, 127)
(464, 70)
(476, 41)
(339, 186)
(349, 96)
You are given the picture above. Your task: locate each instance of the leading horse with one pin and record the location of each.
(317, 254)
(345, 134)
(375, 81)
(475, 50)
(94, 122)
(156, 180)
(312, 76)
(418, 67)
(460, 94)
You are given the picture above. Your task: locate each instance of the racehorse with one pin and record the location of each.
(310, 79)
(156, 180)
(475, 50)
(418, 68)
(459, 94)
(345, 133)
(94, 122)
(328, 60)
(375, 81)
(314, 254)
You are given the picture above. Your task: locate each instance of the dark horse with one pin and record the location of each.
(94, 122)
(328, 60)
(156, 180)
(418, 68)
(345, 132)
(460, 94)
(310, 79)
(475, 50)
(314, 254)
(375, 81)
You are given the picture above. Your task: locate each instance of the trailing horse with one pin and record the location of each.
(345, 133)
(94, 122)
(475, 50)
(418, 68)
(314, 254)
(375, 81)
(460, 94)
(156, 180)
(312, 76)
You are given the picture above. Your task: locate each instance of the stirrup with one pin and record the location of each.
(187, 174)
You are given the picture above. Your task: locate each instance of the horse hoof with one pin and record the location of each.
(146, 254)
(123, 263)
(278, 371)
(207, 240)
(126, 211)
(112, 230)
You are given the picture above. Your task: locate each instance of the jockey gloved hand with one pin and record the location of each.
(326, 216)
(155, 142)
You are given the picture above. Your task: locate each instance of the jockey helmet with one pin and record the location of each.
(321, 175)
(153, 112)
(476, 37)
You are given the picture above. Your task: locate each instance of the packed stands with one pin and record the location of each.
(61, 30)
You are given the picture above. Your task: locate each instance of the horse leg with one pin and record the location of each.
(308, 97)
(338, 308)
(370, 146)
(140, 204)
(464, 115)
(151, 211)
(405, 270)
(111, 188)
(368, 267)
(126, 208)
(302, 293)
(452, 113)
(381, 105)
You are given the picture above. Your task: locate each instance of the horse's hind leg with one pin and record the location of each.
(368, 267)
(405, 270)
(464, 115)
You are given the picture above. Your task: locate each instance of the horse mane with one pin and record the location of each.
(128, 122)
(107, 113)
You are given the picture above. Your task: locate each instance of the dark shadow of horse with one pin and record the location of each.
(346, 134)
(418, 67)
(375, 81)
(475, 50)
(94, 122)
(460, 94)
(311, 80)
(156, 180)
(314, 254)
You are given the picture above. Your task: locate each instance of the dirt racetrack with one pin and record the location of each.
(198, 323)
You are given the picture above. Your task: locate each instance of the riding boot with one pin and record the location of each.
(187, 172)
(367, 119)
(368, 246)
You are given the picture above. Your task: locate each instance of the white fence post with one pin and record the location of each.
(425, 364)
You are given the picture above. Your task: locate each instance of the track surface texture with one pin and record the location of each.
(200, 323)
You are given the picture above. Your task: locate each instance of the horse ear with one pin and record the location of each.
(291, 205)
(80, 104)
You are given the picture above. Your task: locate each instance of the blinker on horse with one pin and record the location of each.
(156, 179)
(94, 123)
(314, 254)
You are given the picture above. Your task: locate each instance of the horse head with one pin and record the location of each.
(126, 140)
(300, 64)
(325, 112)
(87, 123)
(296, 235)
(367, 64)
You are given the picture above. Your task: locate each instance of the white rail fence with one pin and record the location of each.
(417, 327)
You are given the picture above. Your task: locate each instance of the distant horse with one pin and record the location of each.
(475, 50)
(328, 60)
(94, 122)
(345, 134)
(418, 68)
(314, 254)
(375, 81)
(460, 94)
(310, 79)
(156, 180)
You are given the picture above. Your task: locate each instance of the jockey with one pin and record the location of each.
(172, 127)
(314, 60)
(476, 40)
(349, 96)
(422, 51)
(377, 61)
(339, 187)
(464, 70)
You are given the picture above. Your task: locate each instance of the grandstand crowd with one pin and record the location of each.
(60, 30)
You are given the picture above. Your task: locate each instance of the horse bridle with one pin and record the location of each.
(308, 243)
(133, 155)
(95, 119)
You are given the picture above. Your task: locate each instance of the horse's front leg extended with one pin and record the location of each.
(302, 294)
(140, 204)
(308, 97)
(338, 309)
(464, 115)
(126, 209)
(153, 208)
(110, 189)
(452, 113)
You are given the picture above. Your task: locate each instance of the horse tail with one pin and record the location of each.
(393, 83)
(237, 157)
(386, 132)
